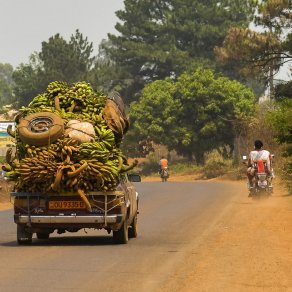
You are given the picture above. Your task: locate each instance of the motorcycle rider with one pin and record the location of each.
(258, 154)
(163, 164)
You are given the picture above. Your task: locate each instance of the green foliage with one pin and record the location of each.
(259, 54)
(287, 173)
(275, 15)
(244, 51)
(6, 84)
(183, 168)
(106, 76)
(28, 81)
(68, 61)
(194, 115)
(157, 110)
(150, 167)
(280, 120)
(283, 90)
(215, 165)
(159, 39)
(58, 60)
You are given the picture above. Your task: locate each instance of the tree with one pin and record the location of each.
(242, 53)
(106, 75)
(281, 122)
(197, 113)
(58, 60)
(6, 84)
(159, 39)
(66, 61)
(154, 115)
(28, 80)
(260, 54)
(283, 90)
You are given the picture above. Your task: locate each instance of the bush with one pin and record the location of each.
(150, 166)
(286, 170)
(215, 165)
(183, 168)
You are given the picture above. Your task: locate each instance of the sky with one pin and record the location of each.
(25, 24)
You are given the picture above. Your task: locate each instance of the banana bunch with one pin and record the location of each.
(88, 166)
(59, 96)
(64, 150)
(39, 100)
(68, 165)
(106, 135)
(94, 150)
(35, 174)
(31, 151)
(57, 87)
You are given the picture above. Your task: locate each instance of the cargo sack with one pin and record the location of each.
(115, 116)
(80, 131)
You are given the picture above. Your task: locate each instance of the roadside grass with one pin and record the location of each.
(215, 166)
(184, 168)
(151, 168)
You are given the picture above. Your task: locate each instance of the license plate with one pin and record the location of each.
(66, 205)
(262, 183)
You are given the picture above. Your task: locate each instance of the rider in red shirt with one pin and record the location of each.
(163, 163)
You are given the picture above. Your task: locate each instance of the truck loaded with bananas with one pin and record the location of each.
(68, 161)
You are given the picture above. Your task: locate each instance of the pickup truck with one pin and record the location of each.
(115, 211)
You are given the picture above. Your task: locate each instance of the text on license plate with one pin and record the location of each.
(66, 205)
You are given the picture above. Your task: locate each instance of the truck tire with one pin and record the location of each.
(133, 228)
(42, 235)
(24, 237)
(121, 236)
(40, 129)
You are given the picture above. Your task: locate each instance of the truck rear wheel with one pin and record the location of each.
(23, 235)
(121, 236)
(133, 228)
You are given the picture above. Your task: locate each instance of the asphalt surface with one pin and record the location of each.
(173, 216)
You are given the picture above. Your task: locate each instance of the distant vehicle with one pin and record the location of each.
(115, 211)
(3, 128)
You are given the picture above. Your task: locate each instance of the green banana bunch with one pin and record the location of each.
(56, 87)
(67, 165)
(94, 150)
(39, 100)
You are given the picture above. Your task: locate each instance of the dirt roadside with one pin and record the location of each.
(249, 248)
(5, 189)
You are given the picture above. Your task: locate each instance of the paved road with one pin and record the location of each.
(172, 217)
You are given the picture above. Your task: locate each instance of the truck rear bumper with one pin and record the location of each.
(110, 219)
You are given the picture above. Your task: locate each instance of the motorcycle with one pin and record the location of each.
(262, 180)
(164, 174)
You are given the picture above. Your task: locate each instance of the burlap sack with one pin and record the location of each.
(80, 131)
(115, 116)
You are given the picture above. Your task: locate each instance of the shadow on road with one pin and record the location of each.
(66, 241)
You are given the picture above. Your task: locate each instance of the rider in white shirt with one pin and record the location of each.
(258, 154)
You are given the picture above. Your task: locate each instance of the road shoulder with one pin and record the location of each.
(249, 248)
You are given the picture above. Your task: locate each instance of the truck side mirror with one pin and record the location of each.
(134, 177)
